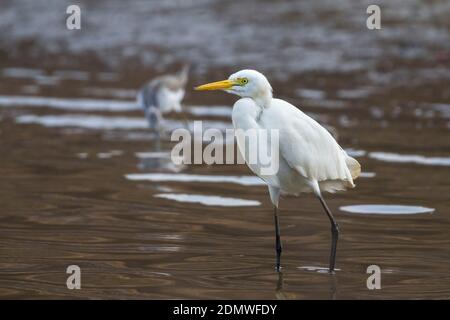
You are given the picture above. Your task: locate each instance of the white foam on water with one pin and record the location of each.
(346, 122)
(41, 76)
(325, 103)
(87, 104)
(355, 152)
(410, 158)
(110, 92)
(71, 75)
(167, 177)
(208, 200)
(170, 124)
(109, 123)
(130, 136)
(152, 154)
(46, 80)
(78, 104)
(107, 76)
(218, 111)
(354, 93)
(159, 248)
(442, 108)
(83, 155)
(311, 94)
(367, 175)
(386, 209)
(109, 154)
(21, 73)
(316, 269)
(85, 121)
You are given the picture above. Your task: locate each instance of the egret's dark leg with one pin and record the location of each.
(278, 246)
(334, 234)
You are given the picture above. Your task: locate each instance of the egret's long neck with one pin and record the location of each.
(247, 110)
(245, 114)
(263, 98)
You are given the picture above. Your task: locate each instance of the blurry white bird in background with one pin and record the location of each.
(310, 158)
(161, 95)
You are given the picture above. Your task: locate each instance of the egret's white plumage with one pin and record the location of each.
(309, 155)
(310, 159)
(161, 95)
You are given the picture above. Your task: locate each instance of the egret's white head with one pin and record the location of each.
(246, 84)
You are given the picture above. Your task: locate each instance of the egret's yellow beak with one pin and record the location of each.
(218, 85)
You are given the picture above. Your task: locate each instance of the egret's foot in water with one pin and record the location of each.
(278, 268)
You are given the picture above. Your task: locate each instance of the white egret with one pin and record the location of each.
(161, 95)
(310, 159)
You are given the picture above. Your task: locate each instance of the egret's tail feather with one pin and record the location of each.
(353, 166)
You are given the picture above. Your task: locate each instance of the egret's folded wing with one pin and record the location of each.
(307, 146)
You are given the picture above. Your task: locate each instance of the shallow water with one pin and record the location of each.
(83, 181)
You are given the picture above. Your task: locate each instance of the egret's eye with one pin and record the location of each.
(243, 81)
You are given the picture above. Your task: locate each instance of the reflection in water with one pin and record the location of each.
(208, 200)
(279, 294)
(386, 209)
(157, 159)
(334, 286)
(156, 163)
